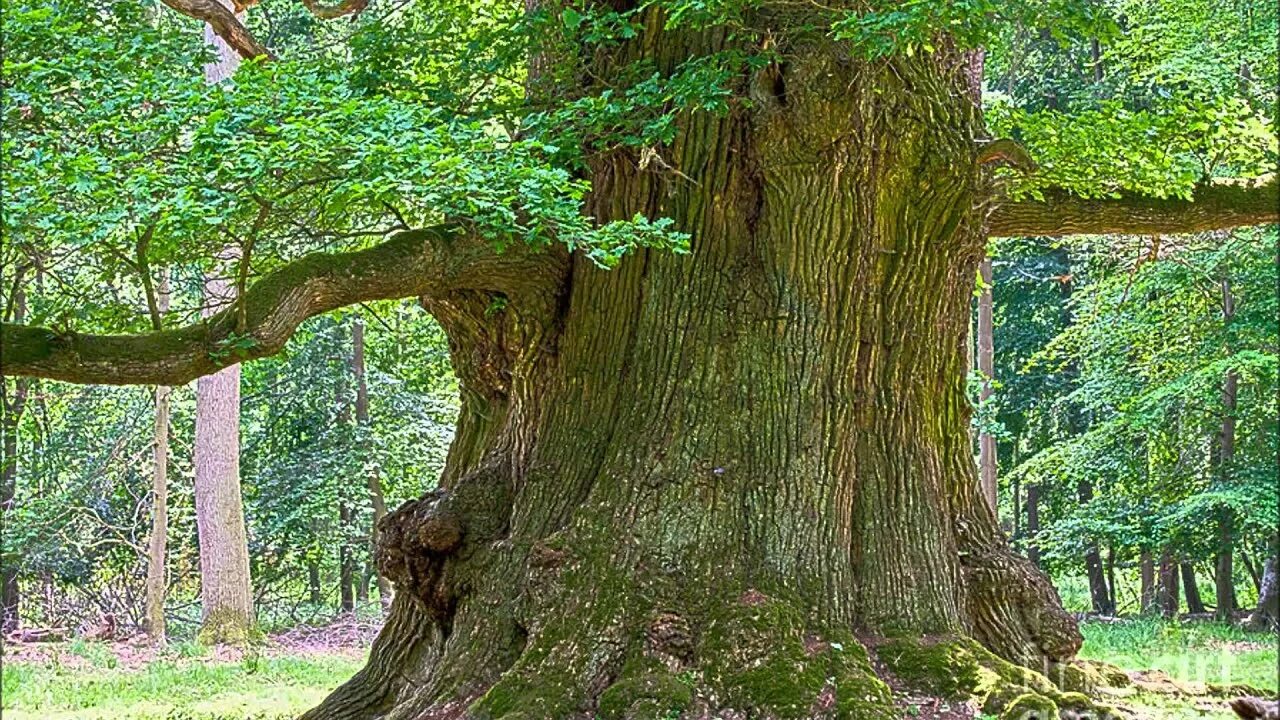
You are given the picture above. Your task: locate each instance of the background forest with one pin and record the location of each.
(1131, 395)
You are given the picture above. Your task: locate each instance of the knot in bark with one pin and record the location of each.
(414, 544)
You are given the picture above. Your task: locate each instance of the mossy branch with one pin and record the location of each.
(1217, 206)
(427, 262)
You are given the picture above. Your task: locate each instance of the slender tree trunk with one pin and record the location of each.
(986, 366)
(157, 577)
(1147, 575)
(1224, 575)
(1111, 576)
(1254, 574)
(686, 466)
(346, 564)
(12, 404)
(1167, 588)
(225, 591)
(1190, 589)
(1098, 590)
(376, 498)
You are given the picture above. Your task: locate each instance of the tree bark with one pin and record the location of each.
(1147, 581)
(986, 366)
(225, 594)
(1189, 588)
(376, 498)
(712, 467)
(157, 552)
(1267, 614)
(1224, 575)
(775, 423)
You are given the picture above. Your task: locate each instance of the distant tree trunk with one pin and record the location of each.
(157, 580)
(313, 582)
(1147, 574)
(1167, 589)
(1033, 523)
(226, 597)
(986, 366)
(1190, 589)
(12, 404)
(1111, 575)
(376, 498)
(346, 564)
(1252, 567)
(1099, 592)
(225, 589)
(1224, 575)
(1267, 615)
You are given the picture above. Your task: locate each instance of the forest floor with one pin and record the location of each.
(292, 671)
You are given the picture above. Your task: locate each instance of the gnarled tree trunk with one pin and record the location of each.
(720, 464)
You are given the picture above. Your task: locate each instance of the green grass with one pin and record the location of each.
(259, 688)
(1202, 651)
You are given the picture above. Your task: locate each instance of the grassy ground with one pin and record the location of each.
(172, 688)
(94, 681)
(1200, 651)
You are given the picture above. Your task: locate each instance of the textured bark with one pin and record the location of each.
(376, 499)
(986, 366)
(157, 551)
(1213, 207)
(777, 421)
(433, 261)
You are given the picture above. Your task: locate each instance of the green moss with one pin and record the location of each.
(515, 696)
(946, 668)
(758, 654)
(649, 696)
(228, 627)
(1030, 706)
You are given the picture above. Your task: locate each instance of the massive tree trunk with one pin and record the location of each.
(703, 481)
(700, 464)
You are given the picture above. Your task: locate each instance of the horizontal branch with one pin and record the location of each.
(1212, 207)
(428, 262)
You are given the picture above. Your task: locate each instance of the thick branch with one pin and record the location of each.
(414, 263)
(224, 24)
(1213, 207)
(329, 12)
